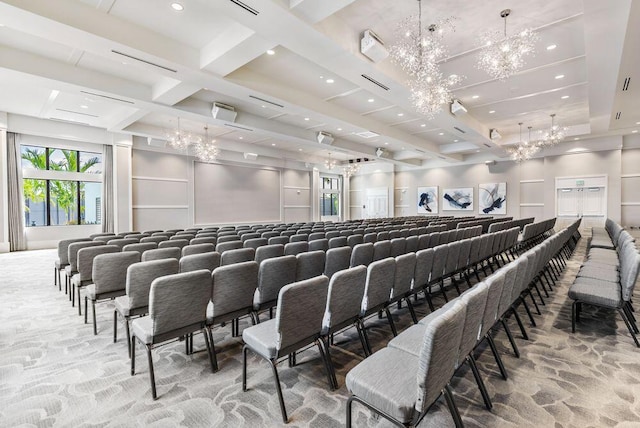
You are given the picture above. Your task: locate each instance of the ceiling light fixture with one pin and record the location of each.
(564, 97)
(179, 139)
(423, 125)
(475, 97)
(271, 52)
(560, 76)
(370, 100)
(206, 149)
(502, 55)
(524, 150)
(306, 118)
(177, 7)
(554, 134)
(329, 163)
(351, 168)
(551, 47)
(491, 111)
(635, 131)
(419, 55)
(330, 80)
(400, 114)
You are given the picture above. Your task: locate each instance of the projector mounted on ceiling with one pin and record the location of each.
(372, 46)
(324, 138)
(457, 108)
(494, 134)
(224, 112)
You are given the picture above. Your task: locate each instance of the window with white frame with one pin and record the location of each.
(330, 196)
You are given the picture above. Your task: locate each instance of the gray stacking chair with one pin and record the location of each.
(137, 236)
(394, 234)
(154, 239)
(474, 254)
(495, 284)
(248, 235)
(104, 239)
(278, 240)
(398, 247)
(440, 253)
(411, 244)
(161, 253)
(269, 234)
(121, 242)
(451, 263)
(166, 235)
(197, 249)
(403, 280)
(221, 247)
(353, 240)
(177, 307)
(338, 241)
(273, 274)
(297, 247)
(309, 264)
(151, 232)
(137, 285)
(337, 260)
(424, 242)
(239, 255)
(192, 262)
(255, 243)
(319, 244)
(109, 280)
(175, 243)
(504, 306)
(232, 297)
(301, 307)
(84, 276)
(63, 258)
(381, 250)
(422, 274)
(362, 254)
(382, 236)
(72, 255)
(330, 234)
(386, 382)
(316, 235)
(370, 237)
(268, 252)
(207, 235)
(380, 275)
(288, 233)
(300, 237)
(140, 247)
(228, 238)
(93, 236)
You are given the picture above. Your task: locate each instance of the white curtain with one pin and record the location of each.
(108, 223)
(17, 240)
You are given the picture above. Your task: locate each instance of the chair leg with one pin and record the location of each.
(629, 327)
(391, 323)
(115, 326)
(525, 336)
(327, 367)
(444, 294)
(279, 391)
(209, 342)
(128, 333)
(152, 377)
(132, 350)
(244, 367)
(363, 338)
(452, 406)
(526, 307)
(497, 356)
(573, 316)
(79, 310)
(481, 386)
(510, 337)
(348, 420)
(93, 307)
(412, 310)
(85, 306)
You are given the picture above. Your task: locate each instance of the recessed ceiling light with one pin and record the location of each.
(370, 100)
(306, 118)
(453, 76)
(263, 106)
(441, 133)
(386, 144)
(402, 148)
(124, 63)
(84, 106)
(560, 76)
(455, 141)
(322, 77)
(339, 129)
(551, 47)
(271, 52)
(491, 111)
(177, 7)
(240, 138)
(564, 97)
(637, 123)
(400, 114)
(576, 138)
(299, 150)
(422, 125)
(330, 80)
(475, 97)
(635, 131)
(273, 144)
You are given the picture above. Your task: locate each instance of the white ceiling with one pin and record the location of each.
(134, 66)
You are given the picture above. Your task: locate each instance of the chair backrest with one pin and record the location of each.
(424, 265)
(192, 262)
(362, 254)
(411, 244)
(293, 248)
(475, 299)
(398, 247)
(92, 236)
(63, 249)
(319, 244)
(510, 272)
(338, 241)
(255, 243)
(353, 240)
(344, 298)
(278, 240)
(629, 267)
(178, 303)
(370, 237)
(380, 275)
(248, 235)
(452, 257)
(198, 249)
(86, 256)
(162, 253)
(309, 264)
(221, 247)
(268, 252)
(299, 315)
(120, 243)
(233, 290)
(337, 259)
(439, 261)
(438, 354)
(381, 250)
(299, 237)
(177, 243)
(424, 241)
(110, 272)
(382, 236)
(140, 247)
(238, 255)
(155, 239)
(316, 235)
(403, 278)
(273, 274)
(141, 275)
(74, 247)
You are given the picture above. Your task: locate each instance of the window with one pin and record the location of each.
(330, 197)
(61, 186)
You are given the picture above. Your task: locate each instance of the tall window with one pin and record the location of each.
(61, 187)
(330, 197)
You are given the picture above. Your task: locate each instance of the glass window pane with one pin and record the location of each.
(35, 210)
(91, 162)
(33, 157)
(63, 160)
(90, 202)
(63, 202)
(334, 183)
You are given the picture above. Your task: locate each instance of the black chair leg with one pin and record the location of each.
(496, 355)
(391, 323)
(115, 326)
(128, 333)
(244, 367)
(525, 336)
(327, 364)
(479, 381)
(452, 407)
(511, 339)
(152, 376)
(573, 316)
(629, 327)
(212, 353)
(412, 311)
(93, 307)
(364, 338)
(132, 349)
(279, 391)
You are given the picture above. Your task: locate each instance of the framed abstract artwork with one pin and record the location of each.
(458, 199)
(492, 198)
(428, 200)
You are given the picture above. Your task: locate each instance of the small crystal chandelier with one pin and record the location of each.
(419, 57)
(329, 163)
(553, 135)
(178, 139)
(351, 169)
(503, 55)
(524, 150)
(206, 149)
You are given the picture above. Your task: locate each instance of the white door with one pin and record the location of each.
(377, 203)
(587, 202)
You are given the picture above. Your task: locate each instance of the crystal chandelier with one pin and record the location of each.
(206, 149)
(351, 169)
(503, 55)
(178, 139)
(524, 150)
(419, 57)
(553, 135)
(329, 163)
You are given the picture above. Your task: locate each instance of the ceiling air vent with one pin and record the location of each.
(266, 101)
(245, 7)
(107, 97)
(625, 85)
(459, 130)
(77, 112)
(487, 145)
(618, 114)
(375, 82)
(238, 127)
(153, 64)
(367, 134)
(75, 122)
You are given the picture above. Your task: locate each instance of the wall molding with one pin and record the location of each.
(296, 187)
(630, 204)
(532, 205)
(355, 190)
(179, 180)
(296, 206)
(537, 180)
(630, 175)
(401, 206)
(160, 207)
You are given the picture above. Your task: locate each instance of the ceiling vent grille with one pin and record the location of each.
(245, 7)
(459, 130)
(153, 64)
(77, 112)
(487, 145)
(375, 82)
(266, 101)
(625, 85)
(107, 97)
(238, 127)
(618, 115)
(367, 134)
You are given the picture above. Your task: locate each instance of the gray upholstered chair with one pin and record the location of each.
(424, 242)
(105, 238)
(156, 239)
(84, 276)
(301, 307)
(204, 240)
(353, 240)
(387, 384)
(161, 253)
(403, 281)
(411, 244)
(237, 256)
(72, 256)
(93, 236)
(177, 307)
(398, 247)
(382, 236)
(109, 280)
(379, 283)
(297, 247)
(309, 264)
(221, 247)
(255, 243)
(273, 274)
(228, 238)
(381, 250)
(177, 243)
(299, 237)
(121, 242)
(495, 284)
(208, 261)
(268, 252)
(137, 285)
(248, 235)
(140, 247)
(330, 234)
(198, 249)
(319, 244)
(283, 240)
(337, 259)
(338, 241)
(370, 237)
(316, 235)
(362, 254)
(63, 259)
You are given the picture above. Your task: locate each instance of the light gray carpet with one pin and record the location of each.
(55, 372)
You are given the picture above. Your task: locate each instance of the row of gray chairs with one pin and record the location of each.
(534, 233)
(607, 236)
(502, 225)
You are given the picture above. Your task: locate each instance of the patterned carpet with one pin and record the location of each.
(55, 372)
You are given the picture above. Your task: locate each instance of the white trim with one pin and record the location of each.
(160, 207)
(43, 174)
(401, 206)
(297, 206)
(532, 205)
(630, 175)
(180, 180)
(296, 187)
(537, 180)
(583, 176)
(630, 204)
(400, 188)
(355, 190)
(355, 206)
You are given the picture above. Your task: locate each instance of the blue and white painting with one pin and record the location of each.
(492, 198)
(460, 199)
(428, 200)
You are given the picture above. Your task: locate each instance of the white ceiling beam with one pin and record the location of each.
(315, 11)
(171, 91)
(242, 53)
(125, 119)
